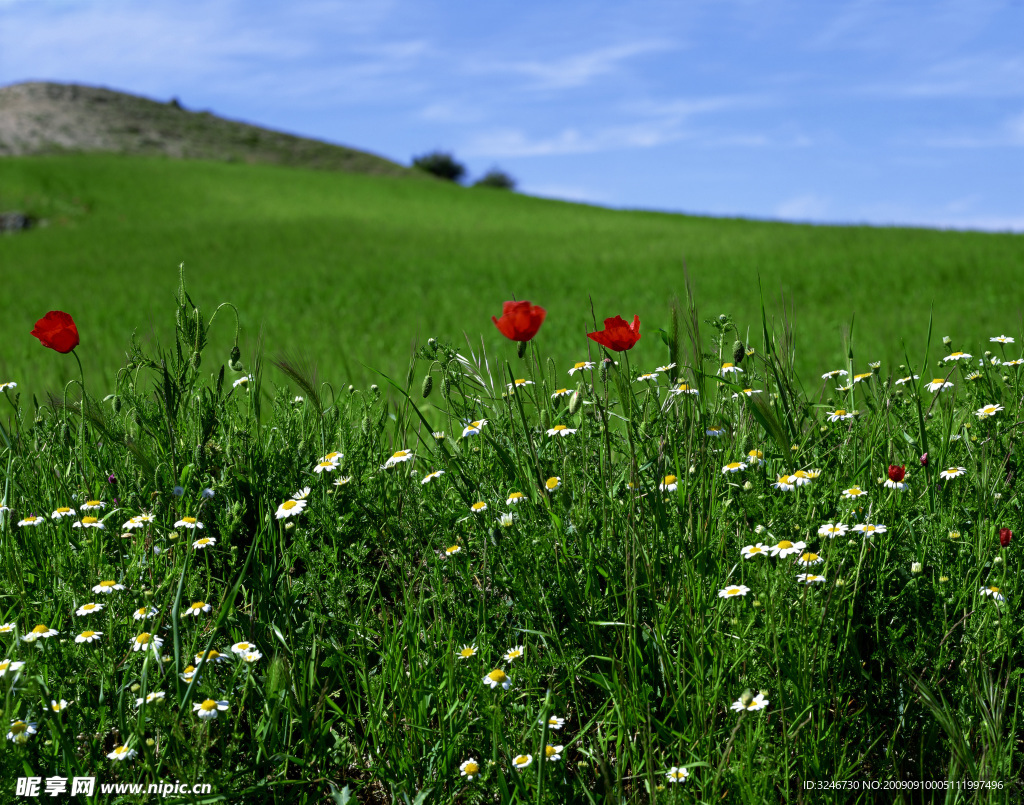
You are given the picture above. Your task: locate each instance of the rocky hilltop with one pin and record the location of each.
(47, 118)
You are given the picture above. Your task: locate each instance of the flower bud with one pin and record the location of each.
(1005, 535)
(428, 385)
(747, 486)
(575, 402)
(375, 388)
(738, 352)
(924, 459)
(235, 359)
(916, 568)
(521, 349)
(947, 340)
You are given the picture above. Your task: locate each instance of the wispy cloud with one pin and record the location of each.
(805, 207)
(571, 71)
(1008, 135)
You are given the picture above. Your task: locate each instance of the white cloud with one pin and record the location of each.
(571, 71)
(565, 192)
(806, 207)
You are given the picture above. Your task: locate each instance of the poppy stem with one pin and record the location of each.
(81, 432)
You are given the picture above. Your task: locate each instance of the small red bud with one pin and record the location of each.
(1005, 535)
(924, 459)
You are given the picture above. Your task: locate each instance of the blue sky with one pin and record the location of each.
(878, 112)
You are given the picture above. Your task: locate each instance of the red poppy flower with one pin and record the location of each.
(896, 473)
(617, 334)
(520, 321)
(1005, 535)
(57, 330)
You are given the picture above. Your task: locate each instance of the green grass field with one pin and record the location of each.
(353, 269)
(627, 594)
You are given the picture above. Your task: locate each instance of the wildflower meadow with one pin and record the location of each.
(669, 571)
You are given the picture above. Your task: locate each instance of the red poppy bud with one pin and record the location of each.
(57, 330)
(896, 473)
(520, 321)
(1005, 535)
(617, 334)
(924, 459)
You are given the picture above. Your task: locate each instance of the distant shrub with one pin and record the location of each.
(496, 178)
(441, 165)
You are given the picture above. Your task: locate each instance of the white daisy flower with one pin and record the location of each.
(522, 761)
(755, 458)
(666, 367)
(520, 382)
(469, 769)
(808, 559)
(514, 498)
(646, 377)
(669, 484)
(832, 530)
(952, 472)
(553, 752)
(869, 529)
(514, 653)
(20, 730)
(153, 696)
(57, 707)
(1002, 339)
(787, 483)
(729, 369)
(988, 410)
(88, 609)
(994, 592)
(810, 578)
(196, 608)
(32, 519)
(752, 703)
(677, 774)
(63, 511)
(466, 652)
(497, 677)
(290, 508)
(684, 388)
(478, 507)
(907, 379)
(839, 414)
(834, 373)
(431, 476)
(190, 523)
(325, 466)
(561, 393)
(88, 522)
(733, 591)
(473, 428)
(107, 587)
(956, 356)
(939, 384)
(142, 613)
(146, 640)
(554, 722)
(853, 492)
(561, 430)
(581, 366)
(204, 542)
(244, 380)
(208, 708)
(252, 656)
(733, 466)
(785, 548)
(398, 457)
(10, 666)
(553, 483)
(750, 551)
(88, 636)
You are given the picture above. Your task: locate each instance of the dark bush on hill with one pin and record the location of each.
(441, 165)
(496, 178)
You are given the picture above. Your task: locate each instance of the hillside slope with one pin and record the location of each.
(48, 118)
(352, 269)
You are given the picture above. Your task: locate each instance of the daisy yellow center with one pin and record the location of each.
(684, 387)
(521, 381)
(733, 591)
(107, 583)
(755, 454)
(520, 760)
(938, 380)
(208, 705)
(89, 607)
(142, 638)
(93, 502)
(840, 412)
(809, 557)
(497, 675)
(40, 629)
(559, 427)
(785, 544)
(515, 496)
(476, 424)
(203, 541)
(756, 550)
(199, 605)
(63, 510)
(479, 506)
(733, 464)
(212, 654)
(552, 483)
(471, 767)
(670, 479)
(188, 519)
(88, 633)
(799, 474)
(467, 652)
(18, 727)
(190, 670)
(549, 750)
(454, 549)
(580, 365)
(400, 454)
(289, 504)
(326, 464)
(514, 653)
(727, 366)
(994, 589)
(89, 520)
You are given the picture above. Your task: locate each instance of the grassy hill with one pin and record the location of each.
(38, 117)
(354, 269)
